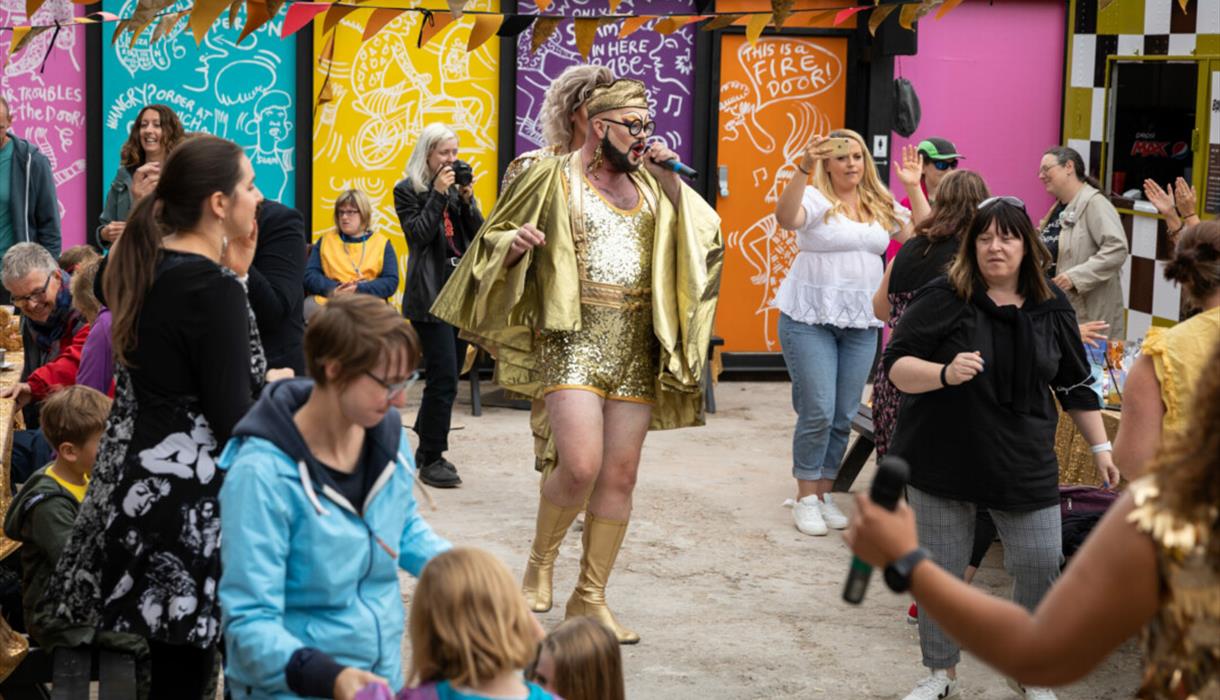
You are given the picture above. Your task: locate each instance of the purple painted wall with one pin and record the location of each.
(664, 63)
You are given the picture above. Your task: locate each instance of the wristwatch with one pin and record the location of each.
(898, 573)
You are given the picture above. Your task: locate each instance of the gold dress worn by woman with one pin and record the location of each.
(614, 353)
(1182, 642)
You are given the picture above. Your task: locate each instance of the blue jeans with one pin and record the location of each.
(828, 366)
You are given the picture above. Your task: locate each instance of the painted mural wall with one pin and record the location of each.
(664, 63)
(385, 91)
(49, 103)
(245, 92)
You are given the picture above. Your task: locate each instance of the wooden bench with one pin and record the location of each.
(69, 673)
(858, 454)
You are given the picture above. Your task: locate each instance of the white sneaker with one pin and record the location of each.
(1031, 692)
(807, 513)
(832, 515)
(938, 686)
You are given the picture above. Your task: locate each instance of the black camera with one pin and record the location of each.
(463, 174)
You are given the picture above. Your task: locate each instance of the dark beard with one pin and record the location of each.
(619, 161)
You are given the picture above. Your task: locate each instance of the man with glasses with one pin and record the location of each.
(939, 157)
(29, 211)
(596, 279)
(53, 334)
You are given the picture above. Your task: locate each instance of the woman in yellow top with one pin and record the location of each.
(1157, 397)
(352, 259)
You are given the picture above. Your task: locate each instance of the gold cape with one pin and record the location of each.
(502, 308)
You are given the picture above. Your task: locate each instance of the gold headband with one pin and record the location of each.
(620, 94)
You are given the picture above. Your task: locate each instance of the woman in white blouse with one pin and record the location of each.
(844, 218)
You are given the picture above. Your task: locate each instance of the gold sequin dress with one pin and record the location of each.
(614, 354)
(1182, 642)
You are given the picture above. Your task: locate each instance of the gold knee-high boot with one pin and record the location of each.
(552, 525)
(602, 539)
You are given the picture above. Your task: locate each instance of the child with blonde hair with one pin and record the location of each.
(580, 660)
(471, 632)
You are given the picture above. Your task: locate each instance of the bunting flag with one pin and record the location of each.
(485, 27)
(300, 13)
(203, 15)
(756, 25)
(843, 15)
(378, 20)
(781, 10)
(669, 25)
(633, 24)
(878, 15)
(586, 32)
(544, 27)
(432, 25)
(721, 21)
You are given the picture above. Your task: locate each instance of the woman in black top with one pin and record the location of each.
(439, 218)
(144, 555)
(977, 356)
(921, 259)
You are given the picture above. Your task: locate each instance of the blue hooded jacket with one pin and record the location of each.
(304, 569)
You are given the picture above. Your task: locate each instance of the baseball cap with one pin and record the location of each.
(939, 149)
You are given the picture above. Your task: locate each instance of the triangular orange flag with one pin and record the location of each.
(632, 24)
(544, 27)
(485, 27)
(543, 5)
(757, 24)
(432, 25)
(878, 16)
(378, 20)
(586, 32)
(203, 15)
(32, 6)
(614, 6)
(669, 25)
(257, 14)
(946, 7)
(334, 14)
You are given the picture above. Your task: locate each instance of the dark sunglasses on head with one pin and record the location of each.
(945, 164)
(1006, 199)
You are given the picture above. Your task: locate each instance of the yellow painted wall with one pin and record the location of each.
(385, 91)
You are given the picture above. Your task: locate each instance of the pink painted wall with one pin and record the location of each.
(49, 105)
(990, 79)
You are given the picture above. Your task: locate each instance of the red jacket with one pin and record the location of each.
(60, 371)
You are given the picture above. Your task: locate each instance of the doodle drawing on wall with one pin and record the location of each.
(775, 96)
(241, 92)
(49, 104)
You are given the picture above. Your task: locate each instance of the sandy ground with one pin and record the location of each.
(731, 601)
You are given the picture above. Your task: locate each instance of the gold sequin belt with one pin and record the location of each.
(614, 296)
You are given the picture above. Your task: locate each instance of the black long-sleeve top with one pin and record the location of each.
(422, 217)
(990, 440)
(276, 292)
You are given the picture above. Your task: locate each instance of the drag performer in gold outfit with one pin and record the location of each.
(595, 278)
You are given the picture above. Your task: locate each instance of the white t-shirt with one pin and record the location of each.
(837, 269)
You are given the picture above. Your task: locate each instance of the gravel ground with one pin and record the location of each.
(731, 601)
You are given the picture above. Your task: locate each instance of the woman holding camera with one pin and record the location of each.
(439, 216)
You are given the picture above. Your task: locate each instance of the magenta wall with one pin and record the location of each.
(990, 79)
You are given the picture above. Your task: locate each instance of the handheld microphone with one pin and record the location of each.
(887, 488)
(680, 168)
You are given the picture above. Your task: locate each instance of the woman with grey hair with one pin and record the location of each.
(563, 117)
(440, 217)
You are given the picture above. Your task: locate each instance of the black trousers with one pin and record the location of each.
(444, 354)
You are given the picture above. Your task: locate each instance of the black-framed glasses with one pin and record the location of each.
(41, 293)
(636, 128)
(396, 388)
(1005, 198)
(944, 164)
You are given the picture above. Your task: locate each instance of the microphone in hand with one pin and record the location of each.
(888, 485)
(680, 168)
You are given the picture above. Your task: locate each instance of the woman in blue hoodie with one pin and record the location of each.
(318, 515)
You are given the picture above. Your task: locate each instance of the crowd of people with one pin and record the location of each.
(201, 367)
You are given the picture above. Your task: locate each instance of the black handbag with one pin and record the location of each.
(906, 107)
